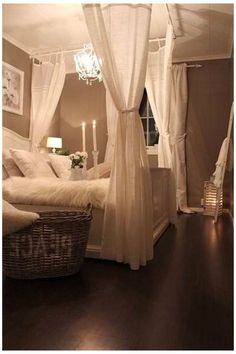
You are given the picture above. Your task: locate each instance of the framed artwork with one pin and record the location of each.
(12, 89)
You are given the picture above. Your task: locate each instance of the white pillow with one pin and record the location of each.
(61, 165)
(103, 170)
(14, 219)
(10, 165)
(32, 164)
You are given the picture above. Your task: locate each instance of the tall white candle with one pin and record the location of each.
(83, 136)
(94, 136)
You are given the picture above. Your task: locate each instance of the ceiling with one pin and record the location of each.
(203, 31)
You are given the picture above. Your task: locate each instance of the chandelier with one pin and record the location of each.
(88, 65)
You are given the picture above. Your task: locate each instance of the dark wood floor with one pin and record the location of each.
(182, 300)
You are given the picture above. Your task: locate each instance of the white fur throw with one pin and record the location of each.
(55, 192)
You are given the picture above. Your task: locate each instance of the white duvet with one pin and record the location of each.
(55, 192)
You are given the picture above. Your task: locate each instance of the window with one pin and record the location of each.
(149, 127)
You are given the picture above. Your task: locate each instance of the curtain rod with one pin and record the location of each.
(35, 55)
(38, 54)
(156, 39)
(194, 66)
(75, 50)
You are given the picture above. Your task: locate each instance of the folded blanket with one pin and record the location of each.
(56, 192)
(14, 219)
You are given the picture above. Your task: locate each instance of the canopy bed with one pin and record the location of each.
(140, 201)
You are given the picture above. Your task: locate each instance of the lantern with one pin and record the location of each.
(213, 199)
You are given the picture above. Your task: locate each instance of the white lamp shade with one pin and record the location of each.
(53, 142)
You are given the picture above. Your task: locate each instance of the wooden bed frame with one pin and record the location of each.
(160, 178)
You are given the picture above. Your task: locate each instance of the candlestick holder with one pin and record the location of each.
(84, 172)
(95, 164)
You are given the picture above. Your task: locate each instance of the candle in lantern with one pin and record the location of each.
(83, 136)
(94, 136)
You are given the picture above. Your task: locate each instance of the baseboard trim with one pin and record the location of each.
(196, 209)
(225, 210)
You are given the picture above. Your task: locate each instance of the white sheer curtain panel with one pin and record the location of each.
(47, 83)
(179, 100)
(158, 86)
(119, 33)
(225, 158)
(112, 116)
(224, 161)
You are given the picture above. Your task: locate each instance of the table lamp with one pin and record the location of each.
(54, 143)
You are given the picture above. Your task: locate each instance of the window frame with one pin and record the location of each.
(147, 117)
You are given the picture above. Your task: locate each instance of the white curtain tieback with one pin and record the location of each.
(164, 135)
(177, 139)
(134, 109)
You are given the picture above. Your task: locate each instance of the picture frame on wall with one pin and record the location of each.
(12, 89)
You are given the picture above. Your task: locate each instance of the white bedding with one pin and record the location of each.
(55, 192)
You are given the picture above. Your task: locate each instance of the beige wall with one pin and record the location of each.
(210, 98)
(82, 103)
(18, 58)
(54, 129)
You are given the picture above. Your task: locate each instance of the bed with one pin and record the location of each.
(160, 192)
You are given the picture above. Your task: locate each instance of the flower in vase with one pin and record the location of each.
(84, 154)
(78, 159)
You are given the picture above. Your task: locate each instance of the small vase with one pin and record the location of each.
(76, 174)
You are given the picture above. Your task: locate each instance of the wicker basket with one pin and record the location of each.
(53, 246)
